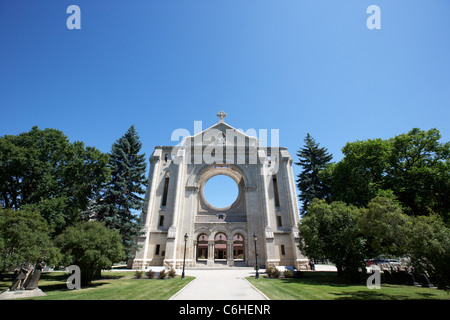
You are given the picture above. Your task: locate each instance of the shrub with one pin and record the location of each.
(332, 231)
(162, 274)
(430, 249)
(272, 272)
(150, 274)
(138, 274)
(25, 236)
(171, 274)
(288, 274)
(92, 247)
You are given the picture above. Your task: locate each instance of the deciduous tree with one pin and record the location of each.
(92, 247)
(25, 237)
(331, 231)
(44, 170)
(415, 166)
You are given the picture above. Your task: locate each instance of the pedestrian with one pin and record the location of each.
(311, 264)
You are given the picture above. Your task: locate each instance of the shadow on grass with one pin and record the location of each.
(63, 286)
(328, 278)
(426, 295)
(368, 295)
(110, 276)
(56, 281)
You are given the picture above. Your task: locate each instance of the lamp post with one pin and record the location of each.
(256, 256)
(184, 258)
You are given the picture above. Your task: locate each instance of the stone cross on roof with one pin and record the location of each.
(221, 116)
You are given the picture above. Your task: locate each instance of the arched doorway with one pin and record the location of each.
(220, 247)
(202, 248)
(238, 248)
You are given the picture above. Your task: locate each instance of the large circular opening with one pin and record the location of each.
(221, 191)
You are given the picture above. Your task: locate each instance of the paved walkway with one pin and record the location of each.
(219, 285)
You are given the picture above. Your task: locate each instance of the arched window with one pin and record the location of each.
(220, 247)
(202, 247)
(238, 247)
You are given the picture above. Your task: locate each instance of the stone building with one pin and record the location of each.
(178, 219)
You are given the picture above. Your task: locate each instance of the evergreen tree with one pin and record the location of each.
(312, 159)
(121, 200)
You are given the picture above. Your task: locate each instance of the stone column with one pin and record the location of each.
(194, 256)
(169, 260)
(210, 261)
(267, 237)
(230, 259)
(291, 197)
(155, 164)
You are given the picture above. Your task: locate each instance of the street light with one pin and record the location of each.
(256, 256)
(184, 258)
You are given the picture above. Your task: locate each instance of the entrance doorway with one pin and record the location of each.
(238, 248)
(202, 248)
(220, 247)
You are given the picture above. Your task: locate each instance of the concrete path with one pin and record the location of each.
(219, 285)
(325, 267)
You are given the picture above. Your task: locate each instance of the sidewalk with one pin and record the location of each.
(324, 267)
(219, 285)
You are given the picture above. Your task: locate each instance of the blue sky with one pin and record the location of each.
(297, 66)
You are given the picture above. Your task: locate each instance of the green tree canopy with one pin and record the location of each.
(429, 248)
(92, 247)
(24, 237)
(331, 231)
(385, 227)
(415, 166)
(419, 172)
(44, 170)
(347, 236)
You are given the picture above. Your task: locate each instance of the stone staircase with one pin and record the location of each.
(221, 266)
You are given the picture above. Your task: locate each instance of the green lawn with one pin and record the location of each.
(327, 286)
(112, 286)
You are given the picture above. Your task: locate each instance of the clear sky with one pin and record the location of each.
(297, 66)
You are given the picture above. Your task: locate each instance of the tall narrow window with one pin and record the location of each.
(282, 250)
(279, 221)
(157, 249)
(161, 221)
(275, 190)
(166, 189)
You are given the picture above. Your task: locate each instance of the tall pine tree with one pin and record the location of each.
(312, 159)
(122, 199)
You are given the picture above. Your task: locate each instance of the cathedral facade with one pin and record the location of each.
(179, 224)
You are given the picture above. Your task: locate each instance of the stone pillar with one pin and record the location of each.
(230, 259)
(169, 260)
(272, 258)
(246, 252)
(210, 261)
(195, 253)
(155, 164)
